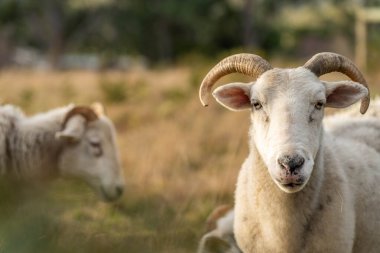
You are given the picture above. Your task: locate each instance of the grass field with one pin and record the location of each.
(180, 161)
(178, 165)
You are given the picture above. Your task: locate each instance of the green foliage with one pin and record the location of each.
(8, 11)
(67, 217)
(26, 97)
(113, 91)
(164, 31)
(174, 95)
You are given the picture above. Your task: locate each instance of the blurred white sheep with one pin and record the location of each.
(74, 141)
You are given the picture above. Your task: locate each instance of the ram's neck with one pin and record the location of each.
(276, 220)
(31, 148)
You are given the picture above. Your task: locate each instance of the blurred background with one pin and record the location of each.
(144, 60)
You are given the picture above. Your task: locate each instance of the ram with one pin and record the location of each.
(301, 188)
(348, 123)
(74, 141)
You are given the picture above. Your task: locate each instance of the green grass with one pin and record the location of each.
(67, 217)
(113, 91)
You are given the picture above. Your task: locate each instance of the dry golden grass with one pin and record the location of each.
(180, 161)
(164, 134)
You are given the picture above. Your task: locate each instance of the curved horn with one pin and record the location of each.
(326, 62)
(98, 108)
(84, 111)
(248, 64)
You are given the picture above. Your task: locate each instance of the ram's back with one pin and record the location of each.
(360, 137)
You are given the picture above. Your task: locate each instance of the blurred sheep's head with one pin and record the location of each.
(90, 152)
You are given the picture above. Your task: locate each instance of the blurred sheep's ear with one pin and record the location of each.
(344, 93)
(73, 129)
(213, 243)
(234, 96)
(74, 123)
(218, 213)
(98, 109)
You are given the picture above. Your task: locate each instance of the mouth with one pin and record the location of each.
(106, 197)
(291, 181)
(292, 185)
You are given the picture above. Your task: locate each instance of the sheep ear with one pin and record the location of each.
(73, 129)
(216, 215)
(234, 96)
(98, 109)
(212, 243)
(344, 93)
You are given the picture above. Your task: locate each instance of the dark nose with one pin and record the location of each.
(119, 190)
(291, 162)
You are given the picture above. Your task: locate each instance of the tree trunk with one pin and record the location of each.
(55, 18)
(248, 35)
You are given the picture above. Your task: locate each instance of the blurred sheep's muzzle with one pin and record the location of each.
(111, 193)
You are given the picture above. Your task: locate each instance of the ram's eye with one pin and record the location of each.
(319, 105)
(96, 148)
(256, 104)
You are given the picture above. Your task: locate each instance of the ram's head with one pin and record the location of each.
(89, 151)
(287, 107)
